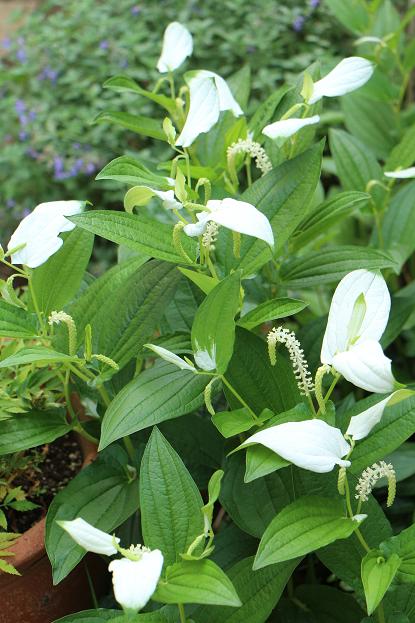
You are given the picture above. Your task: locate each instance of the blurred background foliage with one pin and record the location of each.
(52, 69)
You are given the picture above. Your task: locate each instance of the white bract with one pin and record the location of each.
(38, 233)
(205, 359)
(312, 444)
(177, 46)
(358, 316)
(134, 576)
(209, 96)
(360, 425)
(141, 195)
(287, 127)
(401, 174)
(167, 355)
(239, 216)
(350, 74)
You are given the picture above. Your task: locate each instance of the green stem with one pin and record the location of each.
(35, 303)
(17, 270)
(182, 613)
(172, 89)
(330, 391)
(129, 447)
(248, 171)
(357, 532)
(380, 613)
(239, 397)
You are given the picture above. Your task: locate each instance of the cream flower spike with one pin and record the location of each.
(350, 74)
(38, 233)
(287, 127)
(401, 174)
(177, 46)
(311, 444)
(358, 316)
(209, 96)
(134, 576)
(238, 216)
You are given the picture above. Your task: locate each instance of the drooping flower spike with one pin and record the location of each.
(358, 316)
(350, 74)
(287, 127)
(38, 233)
(311, 444)
(177, 46)
(134, 576)
(209, 96)
(238, 216)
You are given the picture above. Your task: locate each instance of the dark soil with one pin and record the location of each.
(61, 461)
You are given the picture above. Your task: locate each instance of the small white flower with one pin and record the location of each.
(239, 216)
(369, 478)
(311, 444)
(350, 74)
(401, 174)
(209, 96)
(358, 316)
(206, 359)
(167, 355)
(288, 127)
(90, 538)
(135, 581)
(141, 195)
(177, 46)
(39, 232)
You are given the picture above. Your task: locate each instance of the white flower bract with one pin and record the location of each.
(401, 174)
(135, 581)
(350, 74)
(39, 232)
(287, 127)
(177, 46)
(89, 537)
(167, 355)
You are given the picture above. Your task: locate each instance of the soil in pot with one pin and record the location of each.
(31, 598)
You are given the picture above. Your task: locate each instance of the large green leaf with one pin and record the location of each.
(31, 429)
(213, 329)
(301, 527)
(399, 223)
(138, 233)
(403, 544)
(161, 393)
(271, 310)
(171, 515)
(124, 84)
(197, 582)
(378, 573)
(328, 604)
(283, 195)
(58, 280)
(127, 321)
(258, 590)
(131, 171)
(35, 354)
(16, 322)
(402, 155)
(328, 267)
(352, 14)
(265, 112)
(104, 494)
(91, 616)
(136, 123)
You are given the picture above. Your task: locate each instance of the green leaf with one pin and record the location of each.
(377, 576)
(353, 15)
(103, 494)
(35, 354)
(6, 567)
(396, 426)
(315, 268)
(197, 582)
(128, 320)
(230, 423)
(140, 125)
(124, 84)
(402, 155)
(213, 330)
(399, 223)
(326, 214)
(204, 282)
(271, 310)
(138, 233)
(283, 195)
(161, 393)
(16, 322)
(58, 280)
(91, 616)
(131, 171)
(329, 605)
(265, 112)
(402, 545)
(170, 501)
(258, 590)
(301, 527)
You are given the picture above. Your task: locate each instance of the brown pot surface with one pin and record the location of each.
(32, 598)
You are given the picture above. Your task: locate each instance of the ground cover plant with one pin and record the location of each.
(244, 368)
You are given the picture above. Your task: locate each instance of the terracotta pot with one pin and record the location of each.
(31, 597)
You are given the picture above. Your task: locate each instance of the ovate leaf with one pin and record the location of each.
(377, 575)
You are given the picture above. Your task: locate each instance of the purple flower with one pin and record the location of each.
(21, 55)
(19, 106)
(23, 136)
(32, 153)
(6, 43)
(314, 3)
(48, 73)
(32, 115)
(10, 203)
(135, 10)
(58, 166)
(104, 44)
(298, 23)
(90, 167)
(23, 120)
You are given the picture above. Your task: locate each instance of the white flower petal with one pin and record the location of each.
(312, 444)
(366, 366)
(288, 127)
(204, 359)
(141, 195)
(177, 46)
(377, 301)
(90, 538)
(203, 112)
(361, 425)
(401, 174)
(135, 581)
(167, 355)
(350, 74)
(40, 230)
(197, 229)
(242, 217)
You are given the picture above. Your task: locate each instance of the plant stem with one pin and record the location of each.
(357, 532)
(35, 304)
(239, 397)
(182, 613)
(380, 613)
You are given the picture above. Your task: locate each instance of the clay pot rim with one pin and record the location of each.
(30, 546)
